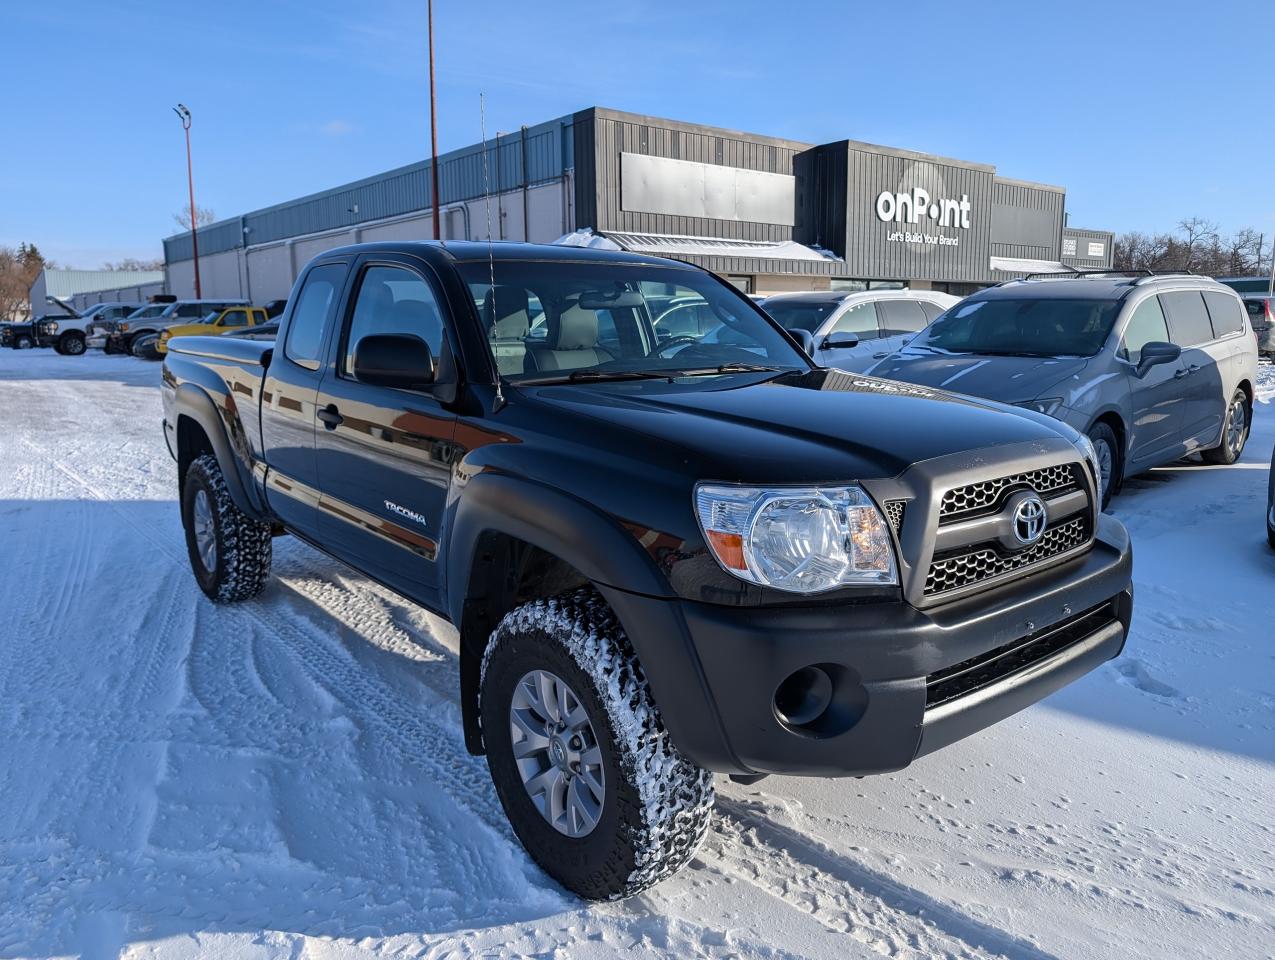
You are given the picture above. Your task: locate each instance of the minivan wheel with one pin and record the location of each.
(1108, 450)
(1234, 432)
(590, 780)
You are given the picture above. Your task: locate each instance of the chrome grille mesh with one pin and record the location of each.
(952, 573)
(894, 513)
(984, 495)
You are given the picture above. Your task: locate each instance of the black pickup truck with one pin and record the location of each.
(665, 556)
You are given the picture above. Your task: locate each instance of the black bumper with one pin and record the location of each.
(715, 670)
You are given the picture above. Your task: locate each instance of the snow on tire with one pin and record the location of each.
(230, 552)
(656, 806)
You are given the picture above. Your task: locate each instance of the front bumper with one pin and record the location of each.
(881, 658)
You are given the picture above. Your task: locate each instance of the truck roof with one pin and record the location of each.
(462, 251)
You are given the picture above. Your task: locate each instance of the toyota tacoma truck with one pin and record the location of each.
(667, 556)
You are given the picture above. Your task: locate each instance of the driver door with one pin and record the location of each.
(1157, 398)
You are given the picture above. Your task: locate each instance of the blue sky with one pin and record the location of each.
(1147, 112)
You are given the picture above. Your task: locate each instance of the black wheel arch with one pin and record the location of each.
(201, 428)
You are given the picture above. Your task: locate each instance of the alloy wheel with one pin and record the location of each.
(1236, 424)
(205, 534)
(557, 753)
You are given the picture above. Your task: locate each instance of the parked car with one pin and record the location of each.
(69, 336)
(1261, 314)
(213, 325)
(1150, 368)
(666, 559)
(274, 308)
(852, 331)
(18, 335)
(155, 318)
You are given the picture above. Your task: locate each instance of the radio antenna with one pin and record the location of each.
(491, 259)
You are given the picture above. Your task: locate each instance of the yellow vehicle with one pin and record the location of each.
(214, 325)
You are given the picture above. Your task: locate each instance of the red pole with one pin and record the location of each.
(433, 123)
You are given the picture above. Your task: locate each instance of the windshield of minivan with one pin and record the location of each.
(1022, 326)
(619, 321)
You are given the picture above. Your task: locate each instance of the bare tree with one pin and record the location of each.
(18, 269)
(132, 263)
(203, 216)
(1197, 246)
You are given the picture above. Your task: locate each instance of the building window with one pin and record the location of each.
(853, 285)
(743, 284)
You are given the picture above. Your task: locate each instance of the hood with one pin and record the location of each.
(1006, 379)
(817, 427)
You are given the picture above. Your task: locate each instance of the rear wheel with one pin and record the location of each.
(1234, 432)
(23, 342)
(229, 551)
(1109, 464)
(588, 776)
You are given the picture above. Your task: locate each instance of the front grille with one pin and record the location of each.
(963, 503)
(894, 513)
(954, 572)
(974, 674)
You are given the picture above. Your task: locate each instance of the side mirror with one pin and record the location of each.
(839, 341)
(804, 338)
(1155, 353)
(394, 360)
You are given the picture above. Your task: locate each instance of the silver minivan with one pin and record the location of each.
(852, 331)
(1151, 368)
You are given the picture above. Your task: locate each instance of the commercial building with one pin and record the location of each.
(768, 213)
(80, 289)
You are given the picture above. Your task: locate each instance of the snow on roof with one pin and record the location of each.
(1020, 265)
(662, 244)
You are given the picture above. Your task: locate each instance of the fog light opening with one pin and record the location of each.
(804, 696)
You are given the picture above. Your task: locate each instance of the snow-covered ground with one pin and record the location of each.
(287, 778)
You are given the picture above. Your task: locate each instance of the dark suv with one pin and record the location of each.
(667, 554)
(1151, 367)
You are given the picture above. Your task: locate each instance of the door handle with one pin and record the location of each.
(1179, 373)
(879, 356)
(330, 417)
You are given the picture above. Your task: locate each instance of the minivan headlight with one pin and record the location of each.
(799, 539)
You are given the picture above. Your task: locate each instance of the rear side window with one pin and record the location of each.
(1189, 322)
(1145, 326)
(313, 312)
(235, 318)
(1225, 313)
(900, 317)
(932, 311)
(861, 320)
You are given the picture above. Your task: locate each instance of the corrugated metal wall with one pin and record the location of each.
(1082, 238)
(549, 153)
(1027, 220)
(608, 134)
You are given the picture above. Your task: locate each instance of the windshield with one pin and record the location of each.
(154, 310)
(1022, 327)
(594, 320)
(801, 314)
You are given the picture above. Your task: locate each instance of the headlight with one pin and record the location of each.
(1047, 407)
(1085, 446)
(164, 336)
(799, 539)
(123, 328)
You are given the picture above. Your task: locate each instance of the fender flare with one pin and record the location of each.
(193, 401)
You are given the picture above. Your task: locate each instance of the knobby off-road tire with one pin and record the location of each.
(1235, 429)
(656, 804)
(238, 565)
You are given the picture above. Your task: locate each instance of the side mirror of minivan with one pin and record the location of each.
(394, 360)
(839, 341)
(1155, 353)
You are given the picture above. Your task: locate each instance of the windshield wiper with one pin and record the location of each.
(590, 375)
(725, 368)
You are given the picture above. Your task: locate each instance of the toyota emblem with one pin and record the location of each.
(1029, 520)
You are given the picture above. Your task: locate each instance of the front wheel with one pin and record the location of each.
(590, 780)
(1108, 451)
(230, 552)
(71, 345)
(1234, 432)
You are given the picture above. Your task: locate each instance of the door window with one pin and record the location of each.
(861, 320)
(1145, 326)
(931, 310)
(234, 318)
(1188, 319)
(1224, 311)
(901, 317)
(312, 314)
(393, 300)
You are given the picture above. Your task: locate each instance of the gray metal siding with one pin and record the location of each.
(549, 148)
(1027, 220)
(1081, 261)
(614, 134)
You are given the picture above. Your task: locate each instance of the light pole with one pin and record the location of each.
(433, 123)
(183, 114)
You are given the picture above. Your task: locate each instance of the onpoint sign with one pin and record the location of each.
(911, 207)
